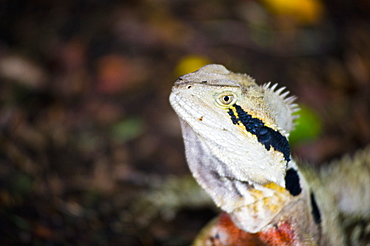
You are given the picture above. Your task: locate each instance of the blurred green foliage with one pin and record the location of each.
(126, 130)
(308, 126)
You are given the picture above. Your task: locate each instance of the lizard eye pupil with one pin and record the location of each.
(226, 99)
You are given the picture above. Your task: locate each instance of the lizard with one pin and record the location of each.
(236, 144)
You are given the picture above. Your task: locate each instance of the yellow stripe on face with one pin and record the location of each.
(265, 135)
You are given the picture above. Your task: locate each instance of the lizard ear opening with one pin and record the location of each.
(282, 106)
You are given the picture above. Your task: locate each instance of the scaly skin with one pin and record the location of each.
(235, 135)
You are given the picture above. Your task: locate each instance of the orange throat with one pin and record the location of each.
(224, 232)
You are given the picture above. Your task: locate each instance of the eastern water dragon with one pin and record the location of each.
(236, 141)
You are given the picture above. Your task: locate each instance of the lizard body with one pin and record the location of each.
(235, 135)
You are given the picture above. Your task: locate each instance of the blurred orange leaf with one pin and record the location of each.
(304, 11)
(114, 74)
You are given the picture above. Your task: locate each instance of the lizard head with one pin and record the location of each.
(242, 124)
(235, 135)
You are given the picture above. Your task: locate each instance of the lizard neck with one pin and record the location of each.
(251, 206)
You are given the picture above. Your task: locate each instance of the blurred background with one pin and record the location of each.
(87, 135)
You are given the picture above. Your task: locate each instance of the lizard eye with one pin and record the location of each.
(226, 99)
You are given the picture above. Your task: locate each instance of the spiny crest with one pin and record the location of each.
(282, 104)
(283, 95)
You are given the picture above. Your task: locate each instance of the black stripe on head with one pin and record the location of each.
(233, 117)
(265, 135)
(292, 182)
